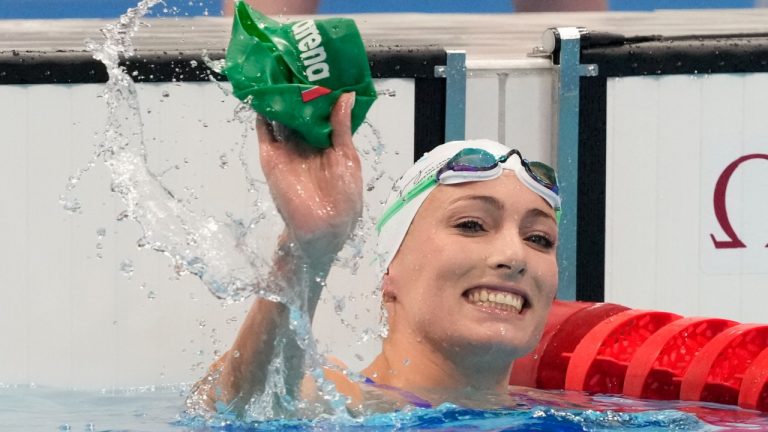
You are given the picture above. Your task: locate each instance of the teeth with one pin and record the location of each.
(498, 300)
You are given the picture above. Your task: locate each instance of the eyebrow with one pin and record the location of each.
(495, 203)
(537, 212)
(485, 199)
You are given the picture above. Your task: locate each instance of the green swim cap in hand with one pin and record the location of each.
(293, 73)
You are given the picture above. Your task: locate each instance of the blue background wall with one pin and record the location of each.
(114, 8)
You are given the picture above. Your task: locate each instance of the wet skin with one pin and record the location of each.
(495, 235)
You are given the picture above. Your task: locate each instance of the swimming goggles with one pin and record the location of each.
(473, 164)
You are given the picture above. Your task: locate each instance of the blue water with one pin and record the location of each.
(161, 409)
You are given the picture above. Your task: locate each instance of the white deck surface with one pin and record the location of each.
(483, 36)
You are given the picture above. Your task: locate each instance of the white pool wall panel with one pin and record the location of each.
(669, 139)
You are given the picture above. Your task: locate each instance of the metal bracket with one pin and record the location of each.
(564, 45)
(455, 74)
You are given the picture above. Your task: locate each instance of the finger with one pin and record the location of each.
(341, 123)
(265, 133)
(264, 129)
(269, 146)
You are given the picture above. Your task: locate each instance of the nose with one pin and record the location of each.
(508, 255)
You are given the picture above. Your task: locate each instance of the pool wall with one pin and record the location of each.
(72, 318)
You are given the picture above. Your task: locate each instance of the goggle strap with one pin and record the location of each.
(400, 203)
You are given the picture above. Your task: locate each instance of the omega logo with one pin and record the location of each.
(721, 212)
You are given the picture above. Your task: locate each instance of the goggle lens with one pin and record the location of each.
(469, 160)
(543, 174)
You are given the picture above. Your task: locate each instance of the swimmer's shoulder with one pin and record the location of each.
(337, 373)
(363, 393)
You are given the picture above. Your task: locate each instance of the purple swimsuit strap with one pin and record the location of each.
(408, 396)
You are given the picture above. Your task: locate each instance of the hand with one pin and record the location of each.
(318, 193)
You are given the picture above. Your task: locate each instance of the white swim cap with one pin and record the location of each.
(393, 232)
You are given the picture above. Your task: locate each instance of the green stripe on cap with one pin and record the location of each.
(420, 188)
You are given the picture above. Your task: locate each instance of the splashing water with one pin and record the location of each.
(201, 245)
(216, 251)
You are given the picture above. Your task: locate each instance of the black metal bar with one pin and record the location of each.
(429, 115)
(681, 55)
(590, 259)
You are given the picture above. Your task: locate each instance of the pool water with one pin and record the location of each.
(26, 408)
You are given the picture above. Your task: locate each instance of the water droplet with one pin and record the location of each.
(127, 267)
(201, 323)
(387, 92)
(72, 206)
(165, 94)
(223, 161)
(338, 305)
(406, 361)
(151, 295)
(100, 233)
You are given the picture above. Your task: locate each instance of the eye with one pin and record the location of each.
(541, 240)
(471, 226)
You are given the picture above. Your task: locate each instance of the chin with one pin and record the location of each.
(508, 346)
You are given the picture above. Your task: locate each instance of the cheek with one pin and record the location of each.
(546, 275)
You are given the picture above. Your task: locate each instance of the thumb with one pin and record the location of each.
(341, 122)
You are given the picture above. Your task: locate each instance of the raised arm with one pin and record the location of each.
(319, 196)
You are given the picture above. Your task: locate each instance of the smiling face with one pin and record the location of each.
(477, 271)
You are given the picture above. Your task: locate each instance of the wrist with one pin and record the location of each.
(304, 265)
(317, 250)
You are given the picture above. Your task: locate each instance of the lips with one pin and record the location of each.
(496, 298)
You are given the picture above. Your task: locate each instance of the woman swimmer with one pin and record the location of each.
(469, 237)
